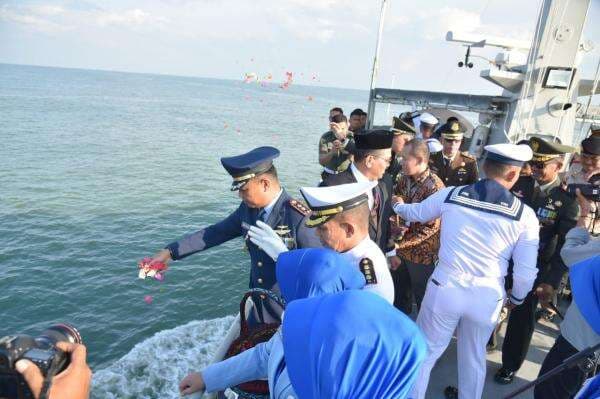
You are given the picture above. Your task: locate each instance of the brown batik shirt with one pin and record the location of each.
(421, 242)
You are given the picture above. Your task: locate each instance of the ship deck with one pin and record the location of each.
(445, 371)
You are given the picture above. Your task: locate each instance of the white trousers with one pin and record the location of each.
(471, 306)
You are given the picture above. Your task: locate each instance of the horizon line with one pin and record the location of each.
(166, 74)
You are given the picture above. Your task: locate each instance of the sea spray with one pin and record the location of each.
(154, 367)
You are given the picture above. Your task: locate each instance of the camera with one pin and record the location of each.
(589, 190)
(40, 350)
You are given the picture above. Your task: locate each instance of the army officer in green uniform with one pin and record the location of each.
(453, 167)
(336, 146)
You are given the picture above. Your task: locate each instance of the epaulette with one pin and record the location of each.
(368, 270)
(300, 207)
(465, 154)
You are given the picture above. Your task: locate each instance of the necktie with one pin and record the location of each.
(262, 215)
(376, 203)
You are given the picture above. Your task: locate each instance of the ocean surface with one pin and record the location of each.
(99, 169)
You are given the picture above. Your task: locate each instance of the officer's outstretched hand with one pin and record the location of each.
(163, 256)
(72, 383)
(266, 239)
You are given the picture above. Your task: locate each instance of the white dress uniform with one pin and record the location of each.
(483, 226)
(325, 203)
(367, 249)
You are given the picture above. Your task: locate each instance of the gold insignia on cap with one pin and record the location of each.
(455, 127)
(535, 145)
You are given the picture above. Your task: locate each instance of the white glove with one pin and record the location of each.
(266, 239)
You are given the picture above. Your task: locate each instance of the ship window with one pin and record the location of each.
(558, 77)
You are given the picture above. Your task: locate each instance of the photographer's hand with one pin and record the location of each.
(585, 207)
(73, 383)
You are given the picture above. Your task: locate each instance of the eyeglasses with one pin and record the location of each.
(386, 160)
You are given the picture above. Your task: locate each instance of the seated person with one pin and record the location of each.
(301, 274)
(351, 344)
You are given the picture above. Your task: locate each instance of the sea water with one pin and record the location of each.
(99, 169)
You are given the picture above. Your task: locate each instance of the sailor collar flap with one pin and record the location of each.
(487, 196)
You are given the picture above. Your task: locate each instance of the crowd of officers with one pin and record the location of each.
(542, 186)
(418, 158)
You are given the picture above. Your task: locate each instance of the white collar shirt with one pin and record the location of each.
(368, 249)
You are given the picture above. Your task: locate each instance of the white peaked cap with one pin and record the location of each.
(426, 117)
(326, 202)
(511, 154)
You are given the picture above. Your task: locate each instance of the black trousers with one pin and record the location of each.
(521, 324)
(402, 289)
(565, 384)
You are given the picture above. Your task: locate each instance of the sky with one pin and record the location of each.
(324, 42)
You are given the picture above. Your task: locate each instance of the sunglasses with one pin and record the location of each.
(537, 164)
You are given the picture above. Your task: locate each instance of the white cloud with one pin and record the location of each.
(31, 20)
(129, 18)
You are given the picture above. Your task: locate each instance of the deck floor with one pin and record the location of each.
(445, 371)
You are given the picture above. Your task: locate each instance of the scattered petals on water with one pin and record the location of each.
(250, 77)
(310, 98)
(148, 299)
(289, 78)
(225, 126)
(159, 277)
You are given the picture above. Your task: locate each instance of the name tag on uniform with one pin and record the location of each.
(546, 214)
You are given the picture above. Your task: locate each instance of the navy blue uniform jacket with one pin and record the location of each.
(286, 212)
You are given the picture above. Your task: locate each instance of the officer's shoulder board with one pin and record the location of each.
(368, 270)
(299, 207)
(468, 156)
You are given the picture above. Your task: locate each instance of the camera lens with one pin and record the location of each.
(59, 332)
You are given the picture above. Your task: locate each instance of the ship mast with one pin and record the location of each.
(540, 81)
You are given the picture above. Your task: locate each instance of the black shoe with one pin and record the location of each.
(504, 376)
(451, 392)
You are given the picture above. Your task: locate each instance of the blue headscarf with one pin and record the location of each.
(591, 390)
(352, 344)
(585, 282)
(305, 273)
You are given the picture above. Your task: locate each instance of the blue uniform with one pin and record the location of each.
(287, 213)
(265, 360)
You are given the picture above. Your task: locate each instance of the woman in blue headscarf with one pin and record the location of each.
(302, 273)
(351, 345)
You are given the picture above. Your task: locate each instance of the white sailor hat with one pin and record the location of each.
(428, 119)
(510, 154)
(434, 145)
(326, 202)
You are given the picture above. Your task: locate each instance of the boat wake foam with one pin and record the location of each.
(154, 367)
